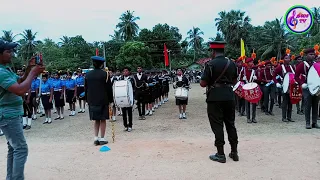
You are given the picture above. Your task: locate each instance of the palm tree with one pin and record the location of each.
(8, 36)
(28, 43)
(128, 28)
(275, 38)
(195, 40)
(65, 40)
(116, 36)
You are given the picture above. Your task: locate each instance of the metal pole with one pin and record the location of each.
(169, 61)
(104, 55)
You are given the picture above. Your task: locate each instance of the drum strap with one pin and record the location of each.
(251, 76)
(239, 75)
(306, 65)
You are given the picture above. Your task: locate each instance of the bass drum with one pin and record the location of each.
(181, 93)
(123, 93)
(287, 81)
(313, 79)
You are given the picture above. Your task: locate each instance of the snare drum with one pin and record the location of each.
(252, 92)
(181, 93)
(313, 79)
(238, 89)
(123, 93)
(287, 81)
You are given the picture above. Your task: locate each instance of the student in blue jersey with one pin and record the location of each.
(46, 97)
(80, 90)
(11, 89)
(34, 92)
(27, 114)
(58, 95)
(71, 93)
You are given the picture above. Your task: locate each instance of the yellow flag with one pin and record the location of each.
(243, 50)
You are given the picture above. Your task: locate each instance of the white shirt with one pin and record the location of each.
(179, 78)
(139, 76)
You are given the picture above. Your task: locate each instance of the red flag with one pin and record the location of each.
(97, 52)
(166, 58)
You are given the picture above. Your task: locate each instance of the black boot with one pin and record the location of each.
(234, 152)
(219, 157)
(316, 126)
(308, 126)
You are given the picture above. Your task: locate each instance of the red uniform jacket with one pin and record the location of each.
(265, 75)
(279, 71)
(302, 72)
(247, 72)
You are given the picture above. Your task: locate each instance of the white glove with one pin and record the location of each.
(278, 85)
(304, 86)
(147, 85)
(254, 78)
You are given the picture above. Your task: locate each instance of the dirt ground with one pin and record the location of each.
(164, 147)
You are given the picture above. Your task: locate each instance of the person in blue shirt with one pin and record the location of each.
(27, 114)
(58, 95)
(46, 97)
(71, 93)
(33, 93)
(80, 89)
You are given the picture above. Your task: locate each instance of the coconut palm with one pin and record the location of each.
(195, 40)
(128, 28)
(116, 36)
(28, 43)
(8, 36)
(65, 40)
(275, 38)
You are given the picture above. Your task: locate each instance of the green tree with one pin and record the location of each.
(133, 54)
(195, 40)
(128, 27)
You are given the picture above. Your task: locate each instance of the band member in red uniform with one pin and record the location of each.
(300, 108)
(286, 104)
(311, 101)
(241, 101)
(260, 69)
(269, 87)
(250, 76)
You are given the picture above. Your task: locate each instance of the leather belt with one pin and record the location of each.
(222, 85)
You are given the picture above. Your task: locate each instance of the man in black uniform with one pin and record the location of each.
(140, 86)
(219, 75)
(98, 94)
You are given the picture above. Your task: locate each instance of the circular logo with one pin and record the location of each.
(299, 19)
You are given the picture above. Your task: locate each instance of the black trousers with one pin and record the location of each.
(219, 113)
(127, 114)
(311, 102)
(140, 97)
(269, 93)
(242, 105)
(254, 110)
(300, 108)
(27, 110)
(286, 106)
(262, 105)
(279, 96)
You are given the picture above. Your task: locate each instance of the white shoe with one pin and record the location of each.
(180, 116)
(1, 133)
(24, 121)
(129, 129)
(150, 113)
(184, 116)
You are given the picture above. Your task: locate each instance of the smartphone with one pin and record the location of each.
(39, 59)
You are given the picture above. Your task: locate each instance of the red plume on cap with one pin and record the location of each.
(288, 51)
(301, 53)
(316, 47)
(253, 55)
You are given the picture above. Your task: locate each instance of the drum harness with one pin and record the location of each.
(208, 89)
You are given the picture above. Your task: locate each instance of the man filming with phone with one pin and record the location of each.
(12, 88)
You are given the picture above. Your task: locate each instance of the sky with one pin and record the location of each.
(95, 20)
